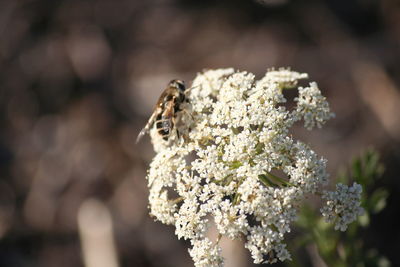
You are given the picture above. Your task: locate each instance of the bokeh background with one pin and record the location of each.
(78, 80)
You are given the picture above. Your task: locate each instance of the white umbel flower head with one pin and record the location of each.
(223, 167)
(343, 205)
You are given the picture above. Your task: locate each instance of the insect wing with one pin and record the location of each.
(148, 125)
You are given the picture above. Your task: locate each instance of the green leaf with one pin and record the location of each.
(364, 219)
(259, 148)
(279, 180)
(235, 164)
(378, 200)
(236, 198)
(264, 179)
(356, 169)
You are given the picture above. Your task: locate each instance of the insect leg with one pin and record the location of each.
(176, 128)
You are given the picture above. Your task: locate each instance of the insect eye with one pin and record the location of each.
(181, 86)
(178, 84)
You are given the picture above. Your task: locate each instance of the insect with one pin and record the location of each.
(166, 109)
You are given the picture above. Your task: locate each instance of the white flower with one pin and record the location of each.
(312, 106)
(343, 205)
(205, 254)
(233, 138)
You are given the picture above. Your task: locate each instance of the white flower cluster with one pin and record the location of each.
(205, 253)
(236, 165)
(342, 206)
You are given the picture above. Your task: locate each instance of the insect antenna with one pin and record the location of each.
(187, 90)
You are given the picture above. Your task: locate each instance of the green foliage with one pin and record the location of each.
(347, 248)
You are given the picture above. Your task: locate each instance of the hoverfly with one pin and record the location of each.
(166, 109)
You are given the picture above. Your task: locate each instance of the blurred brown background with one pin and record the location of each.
(78, 79)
